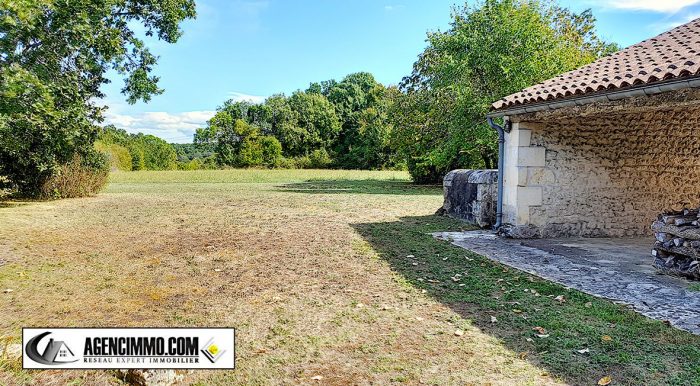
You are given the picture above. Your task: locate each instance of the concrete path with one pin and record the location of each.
(615, 269)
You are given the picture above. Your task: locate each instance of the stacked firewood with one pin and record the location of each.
(677, 247)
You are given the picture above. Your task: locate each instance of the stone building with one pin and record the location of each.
(601, 150)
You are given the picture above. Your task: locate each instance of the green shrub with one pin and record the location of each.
(138, 160)
(82, 176)
(424, 171)
(118, 156)
(210, 163)
(194, 164)
(5, 187)
(286, 163)
(302, 162)
(271, 150)
(319, 159)
(250, 153)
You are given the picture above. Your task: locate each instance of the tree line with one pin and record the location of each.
(339, 124)
(431, 122)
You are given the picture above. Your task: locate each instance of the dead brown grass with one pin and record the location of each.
(307, 294)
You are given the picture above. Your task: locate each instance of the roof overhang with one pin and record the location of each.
(607, 96)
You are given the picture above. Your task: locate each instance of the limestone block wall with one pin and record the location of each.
(607, 175)
(470, 195)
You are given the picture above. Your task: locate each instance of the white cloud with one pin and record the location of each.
(390, 8)
(661, 6)
(172, 127)
(240, 97)
(674, 22)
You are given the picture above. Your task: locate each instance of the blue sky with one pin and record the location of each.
(250, 49)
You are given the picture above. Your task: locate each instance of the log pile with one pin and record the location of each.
(677, 247)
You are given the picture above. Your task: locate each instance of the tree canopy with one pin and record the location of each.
(490, 50)
(54, 57)
(340, 124)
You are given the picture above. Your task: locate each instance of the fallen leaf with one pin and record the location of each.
(522, 355)
(560, 299)
(589, 305)
(415, 263)
(529, 339)
(583, 351)
(539, 329)
(8, 290)
(606, 338)
(317, 377)
(418, 318)
(542, 336)
(493, 319)
(459, 332)
(217, 270)
(410, 256)
(517, 311)
(604, 381)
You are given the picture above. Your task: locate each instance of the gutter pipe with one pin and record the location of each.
(501, 159)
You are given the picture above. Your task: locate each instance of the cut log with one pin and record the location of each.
(686, 232)
(687, 252)
(677, 247)
(678, 219)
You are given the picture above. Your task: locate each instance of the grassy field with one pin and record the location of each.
(323, 273)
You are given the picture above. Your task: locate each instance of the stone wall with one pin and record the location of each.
(608, 174)
(470, 195)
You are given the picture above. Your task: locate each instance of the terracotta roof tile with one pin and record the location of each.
(671, 55)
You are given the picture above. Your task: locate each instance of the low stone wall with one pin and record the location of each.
(470, 195)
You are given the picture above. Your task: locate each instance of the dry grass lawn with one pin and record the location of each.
(328, 274)
(308, 294)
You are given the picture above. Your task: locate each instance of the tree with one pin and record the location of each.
(361, 104)
(237, 142)
(157, 153)
(492, 49)
(314, 125)
(146, 152)
(54, 56)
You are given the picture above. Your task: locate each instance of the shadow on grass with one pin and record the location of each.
(12, 204)
(361, 187)
(626, 346)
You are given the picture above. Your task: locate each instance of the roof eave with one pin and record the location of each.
(607, 96)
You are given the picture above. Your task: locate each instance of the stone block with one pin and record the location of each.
(531, 156)
(540, 176)
(471, 195)
(524, 136)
